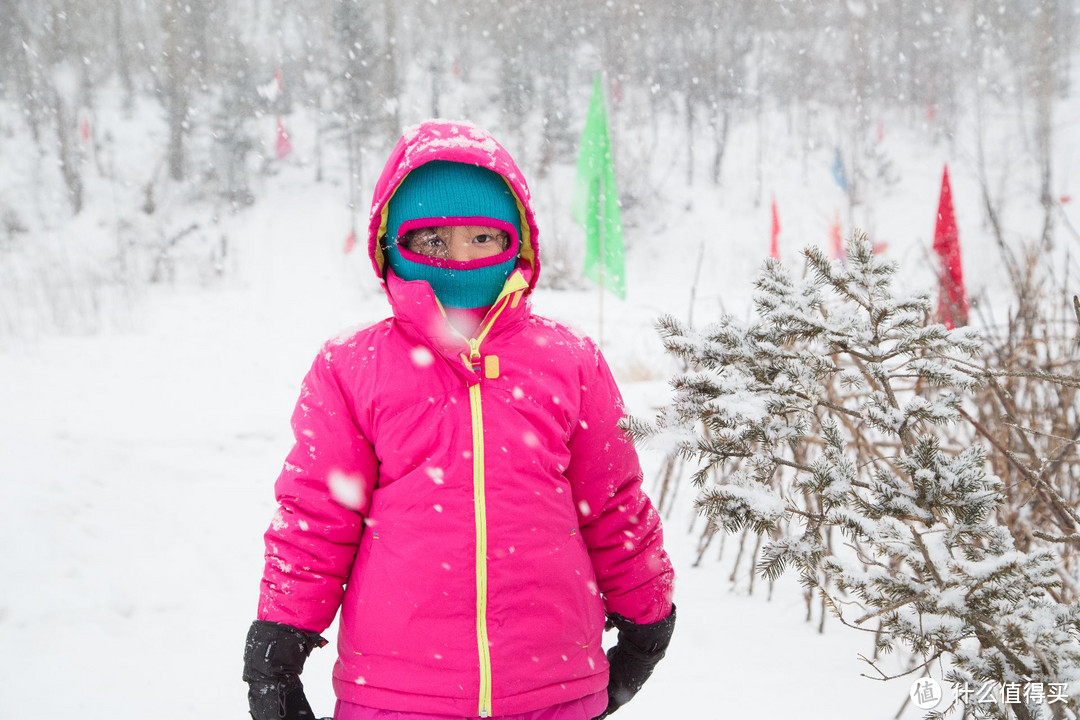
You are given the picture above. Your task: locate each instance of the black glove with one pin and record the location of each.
(634, 656)
(274, 656)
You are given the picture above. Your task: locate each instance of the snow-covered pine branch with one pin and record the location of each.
(840, 406)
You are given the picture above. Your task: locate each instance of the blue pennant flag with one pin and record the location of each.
(838, 171)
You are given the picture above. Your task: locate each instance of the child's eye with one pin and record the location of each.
(500, 239)
(424, 243)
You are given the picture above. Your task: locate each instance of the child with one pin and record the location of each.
(459, 487)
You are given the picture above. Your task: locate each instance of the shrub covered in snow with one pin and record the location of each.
(840, 410)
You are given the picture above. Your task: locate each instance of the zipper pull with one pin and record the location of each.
(474, 355)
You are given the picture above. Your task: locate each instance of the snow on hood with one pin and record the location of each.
(455, 141)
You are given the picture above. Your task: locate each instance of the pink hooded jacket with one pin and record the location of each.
(469, 503)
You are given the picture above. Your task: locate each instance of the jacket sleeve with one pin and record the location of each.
(619, 525)
(323, 492)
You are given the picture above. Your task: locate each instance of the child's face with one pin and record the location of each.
(461, 243)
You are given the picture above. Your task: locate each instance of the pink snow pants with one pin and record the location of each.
(584, 708)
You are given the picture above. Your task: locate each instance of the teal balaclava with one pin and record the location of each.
(441, 193)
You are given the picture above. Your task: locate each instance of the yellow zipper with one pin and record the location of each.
(514, 284)
(480, 510)
(481, 542)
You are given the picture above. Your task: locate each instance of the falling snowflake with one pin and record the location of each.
(421, 357)
(348, 490)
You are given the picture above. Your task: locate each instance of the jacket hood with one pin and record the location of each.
(461, 142)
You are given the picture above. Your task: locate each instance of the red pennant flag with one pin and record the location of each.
(350, 242)
(836, 238)
(84, 129)
(774, 244)
(616, 89)
(284, 145)
(952, 298)
(279, 80)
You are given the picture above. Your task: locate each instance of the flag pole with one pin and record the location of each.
(603, 265)
(600, 215)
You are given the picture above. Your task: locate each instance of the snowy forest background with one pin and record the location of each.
(149, 107)
(178, 186)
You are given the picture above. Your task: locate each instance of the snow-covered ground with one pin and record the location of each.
(137, 464)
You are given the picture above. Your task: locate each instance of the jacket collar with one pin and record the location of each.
(419, 312)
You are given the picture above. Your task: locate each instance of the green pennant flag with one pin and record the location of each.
(596, 201)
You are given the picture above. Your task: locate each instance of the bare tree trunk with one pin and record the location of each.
(123, 62)
(54, 52)
(176, 91)
(989, 205)
(720, 134)
(27, 72)
(393, 115)
(549, 130)
(435, 72)
(69, 161)
(1044, 87)
(689, 135)
(759, 119)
